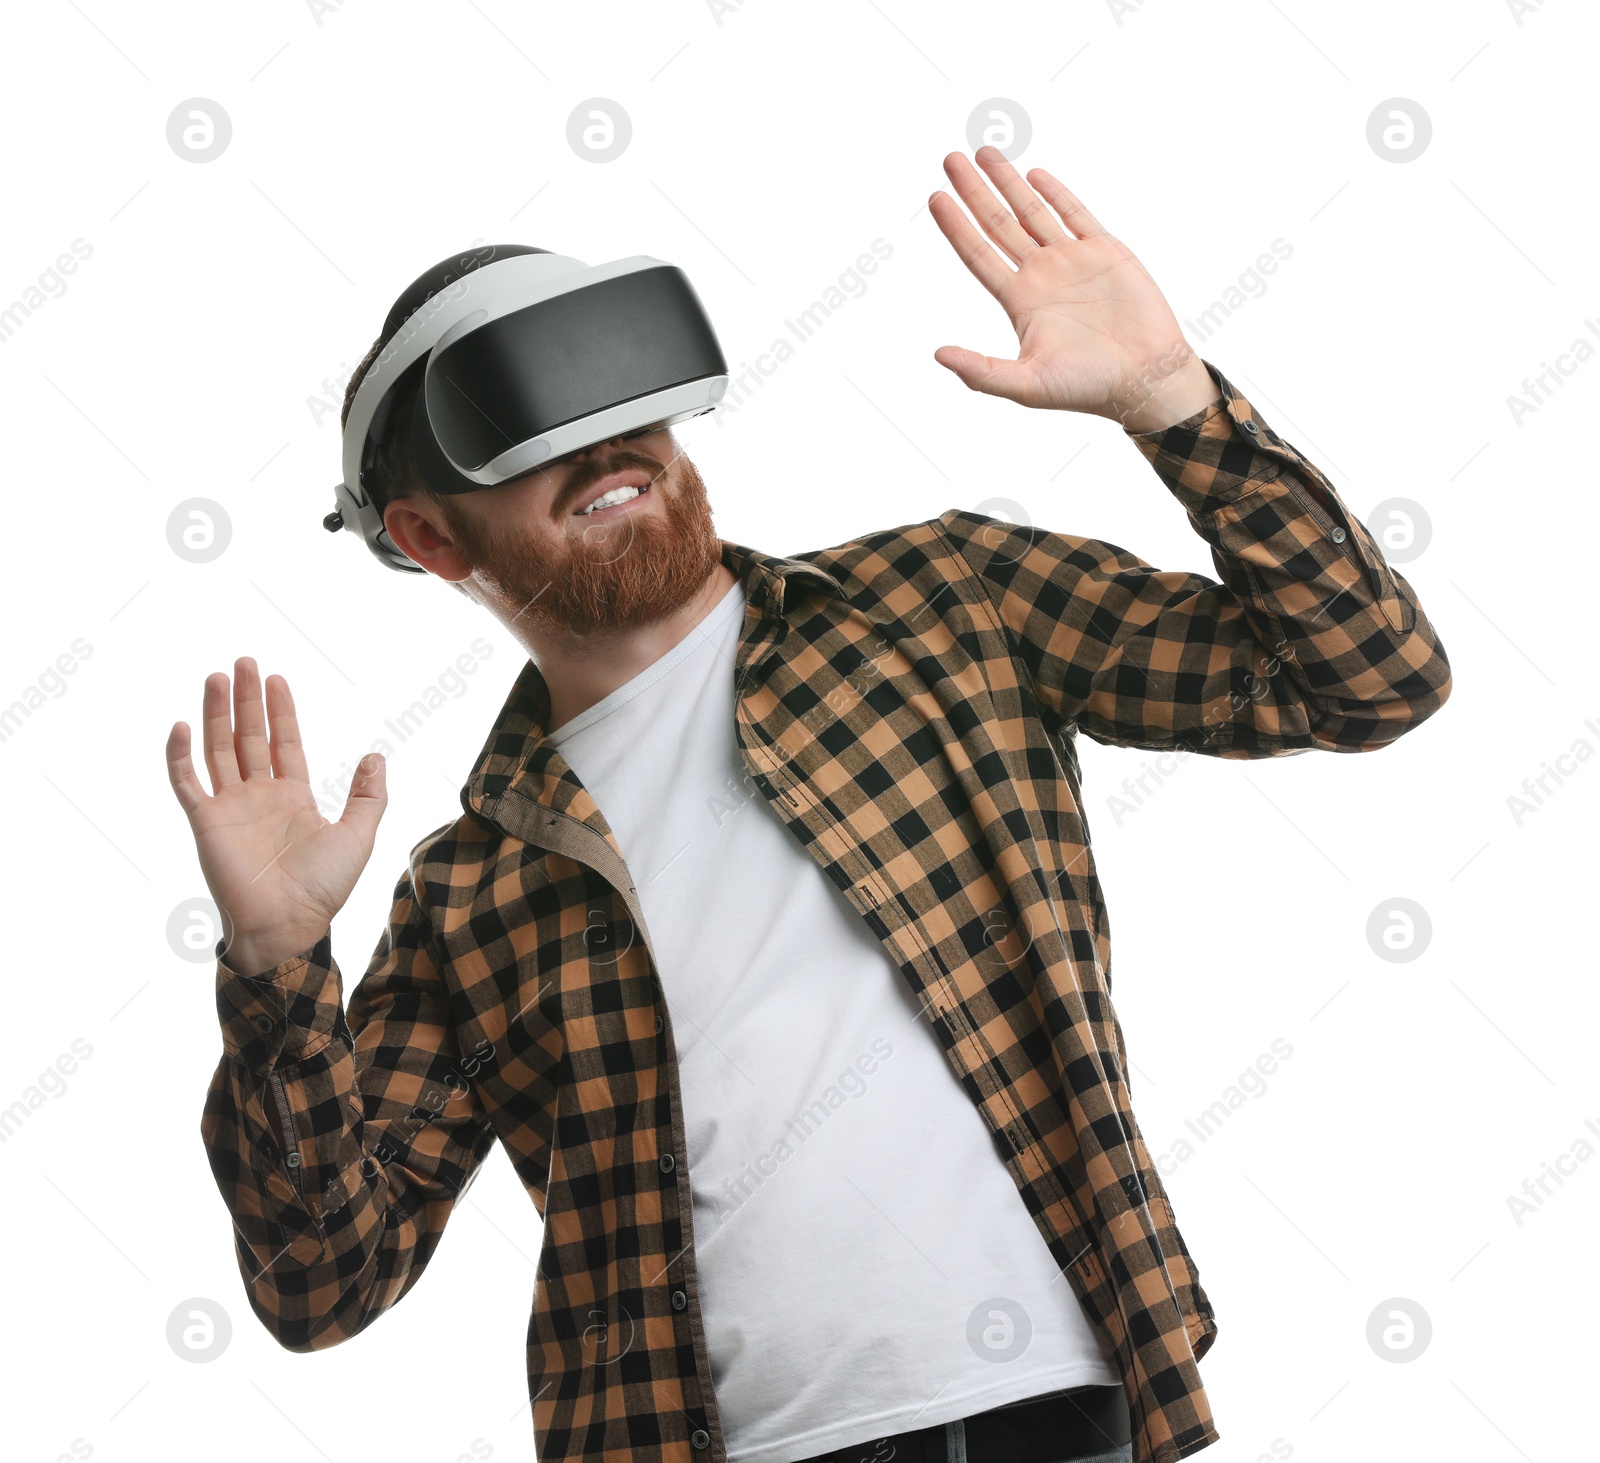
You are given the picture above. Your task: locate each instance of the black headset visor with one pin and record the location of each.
(523, 374)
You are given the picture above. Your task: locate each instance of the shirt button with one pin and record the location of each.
(1250, 426)
(263, 1023)
(700, 1438)
(658, 1022)
(679, 1300)
(293, 1160)
(667, 1163)
(1337, 535)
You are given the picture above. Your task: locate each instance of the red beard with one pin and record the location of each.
(634, 570)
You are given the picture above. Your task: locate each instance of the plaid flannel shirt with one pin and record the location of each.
(907, 703)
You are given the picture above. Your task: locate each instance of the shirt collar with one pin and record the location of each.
(516, 747)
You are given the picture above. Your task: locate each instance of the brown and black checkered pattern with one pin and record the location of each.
(907, 703)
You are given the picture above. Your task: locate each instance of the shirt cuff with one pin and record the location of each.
(282, 1014)
(1224, 451)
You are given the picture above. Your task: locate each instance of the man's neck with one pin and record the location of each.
(580, 670)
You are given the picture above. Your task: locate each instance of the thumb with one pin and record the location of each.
(989, 374)
(367, 798)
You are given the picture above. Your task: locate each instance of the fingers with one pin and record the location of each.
(180, 769)
(1030, 209)
(367, 798)
(236, 742)
(217, 726)
(1065, 202)
(998, 222)
(991, 271)
(288, 755)
(250, 720)
(993, 375)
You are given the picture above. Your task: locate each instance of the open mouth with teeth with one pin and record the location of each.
(614, 498)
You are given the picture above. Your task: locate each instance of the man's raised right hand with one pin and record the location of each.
(278, 870)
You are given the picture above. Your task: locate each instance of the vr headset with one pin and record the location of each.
(522, 359)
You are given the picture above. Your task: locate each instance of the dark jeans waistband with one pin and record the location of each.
(1055, 1427)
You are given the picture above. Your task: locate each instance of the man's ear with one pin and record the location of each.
(417, 526)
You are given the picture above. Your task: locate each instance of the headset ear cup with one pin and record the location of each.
(435, 469)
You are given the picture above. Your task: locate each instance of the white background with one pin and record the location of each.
(769, 150)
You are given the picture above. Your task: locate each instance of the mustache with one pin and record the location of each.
(591, 473)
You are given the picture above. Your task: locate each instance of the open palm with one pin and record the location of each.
(1094, 332)
(278, 870)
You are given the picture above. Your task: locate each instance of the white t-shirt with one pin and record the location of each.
(866, 1262)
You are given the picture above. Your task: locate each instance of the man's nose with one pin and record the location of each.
(609, 445)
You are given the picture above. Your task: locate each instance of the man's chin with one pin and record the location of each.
(624, 583)
(617, 575)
